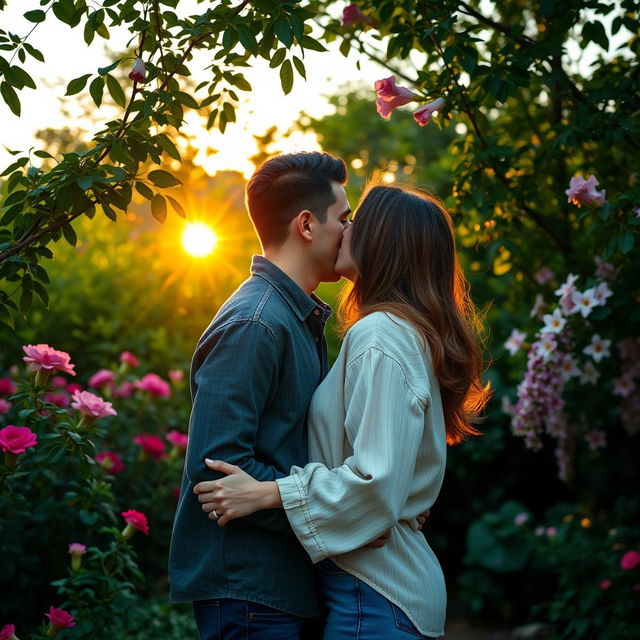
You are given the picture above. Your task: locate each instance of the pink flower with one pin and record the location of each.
(583, 191)
(391, 96)
(515, 341)
(124, 389)
(89, 404)
(152, 445)
(521, 519)
(77, 549)
(7, 632)
(42, 356)
(351, 15)
(59, 381)
(604, 269)
(538, 305)
(551, 532)
(423, 115)
(101, 378)
(126, 357)
(135, 520)
(73, 387)
(623, 386)
(17, 439)
(4, 406)
(154, 385)
(59, 399)
(7, 386)
(177, 438)
(59, 619)
(630, 560)
(543, 275)
(138, 73)
(176, 375)
(110, 461)
(604, 584)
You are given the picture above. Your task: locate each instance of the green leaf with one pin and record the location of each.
(309, 43)
(27, 293)
(32, 51)
(283, 31)
(77, 85)
(144, 190)
(70, 235)
(299, 65)
(10, 97)
(177, 207)
(186, 99)
(159, 208)
(22, 77)
(286, 76)
(84, 182)
(35, 16)
(625, 242)
(104, 70)
(116, 91)
(277, 58)
(96, 89)
(246, 37)
(163, 178)
(168, 147)
(595, 32)
(42, 293)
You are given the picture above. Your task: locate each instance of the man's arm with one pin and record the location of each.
(233, 384)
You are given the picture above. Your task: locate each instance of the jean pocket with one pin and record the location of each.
(402, 621)
(204, 604)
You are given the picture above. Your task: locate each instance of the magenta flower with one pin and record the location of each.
(630, 560)
(44, 357)
(583, 191)
(135, 520)
(91, 405)
(110, 461)
(59, 399)
(8, 632)
(73, 387)
(124, 389)
(390, 96)
(101, 378)
(4, 406)
(152, 445)
(138, 73)
(521, 519)
(352, 14)
(58, 619)
(423, 115)
(154, 385)
(7, 387)
(177, 439)
(17, 439)
(126, 357)
(604, 584)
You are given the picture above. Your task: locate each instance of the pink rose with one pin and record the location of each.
(135, 520)
(59, 381)
(59, 399)
(124, 389)
(176, 375)
(42, 356)
(152, 445)
(60, 619)
(390, 96)
(7, 632)
(91, 405)
(583, 191)
(423, 115)
(111, 462)
(101, 378)
(73, 387)
(351, 15)
(138, 73)
(630, 560)
(126, 357)
(177, 438)
(604, 584)
(4, 406)
(17, 439)
(7, 386)
(154, 385)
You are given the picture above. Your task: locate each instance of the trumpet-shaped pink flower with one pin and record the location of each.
(101, 378)
(77, 549)
(583, 191)
(4, 406)
(110, 461)
(135, 520)
(89, 404)
(7, 386)
(152, 445)
(138, 73)
(126, 357)
(42, 356)
(177, 438)
(630, 560)
(7, 632)
(154, 385)
(60, 619)
(390, 96)
(423, 115)
(17, 439)
(352, 14)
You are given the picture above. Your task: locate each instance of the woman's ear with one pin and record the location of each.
(302, 225)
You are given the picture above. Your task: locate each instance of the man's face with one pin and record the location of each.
(327, 235)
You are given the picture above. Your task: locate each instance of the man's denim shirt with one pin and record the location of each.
(252, 376)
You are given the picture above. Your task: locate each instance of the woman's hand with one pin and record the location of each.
(235, 496)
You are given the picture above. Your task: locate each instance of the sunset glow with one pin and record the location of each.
(199, 240)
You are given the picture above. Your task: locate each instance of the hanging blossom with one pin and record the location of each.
(423, 115)
(138, 72)
(352, 15)
(390, 96)
(583, 191)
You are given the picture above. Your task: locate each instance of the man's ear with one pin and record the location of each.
(302, 225)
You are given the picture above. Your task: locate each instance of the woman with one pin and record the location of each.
(406, 382)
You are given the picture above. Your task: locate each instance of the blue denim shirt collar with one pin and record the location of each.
(301, 304)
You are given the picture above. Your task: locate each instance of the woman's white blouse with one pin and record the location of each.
(376, 430)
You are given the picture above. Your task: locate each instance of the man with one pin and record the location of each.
(252, 376)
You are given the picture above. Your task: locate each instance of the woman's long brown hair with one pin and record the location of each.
(402, 244)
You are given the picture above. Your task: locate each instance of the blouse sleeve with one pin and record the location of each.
(333, 511)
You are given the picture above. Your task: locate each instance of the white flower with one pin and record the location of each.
(584, 302)
(546, 346)
(567, 287)
(553, 322)
(602, 292)
(598, 348)
(589, 373)
(569, 368)
(515, 341)
(537, 306)
(624, 386)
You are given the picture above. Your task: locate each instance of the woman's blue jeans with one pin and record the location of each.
(355, 611)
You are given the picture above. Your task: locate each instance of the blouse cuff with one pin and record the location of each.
(294, 501)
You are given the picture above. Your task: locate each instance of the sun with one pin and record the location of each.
(198, 239)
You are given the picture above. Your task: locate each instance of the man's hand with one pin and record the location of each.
(422, 518)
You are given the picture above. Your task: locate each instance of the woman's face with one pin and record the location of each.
(345, 266)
